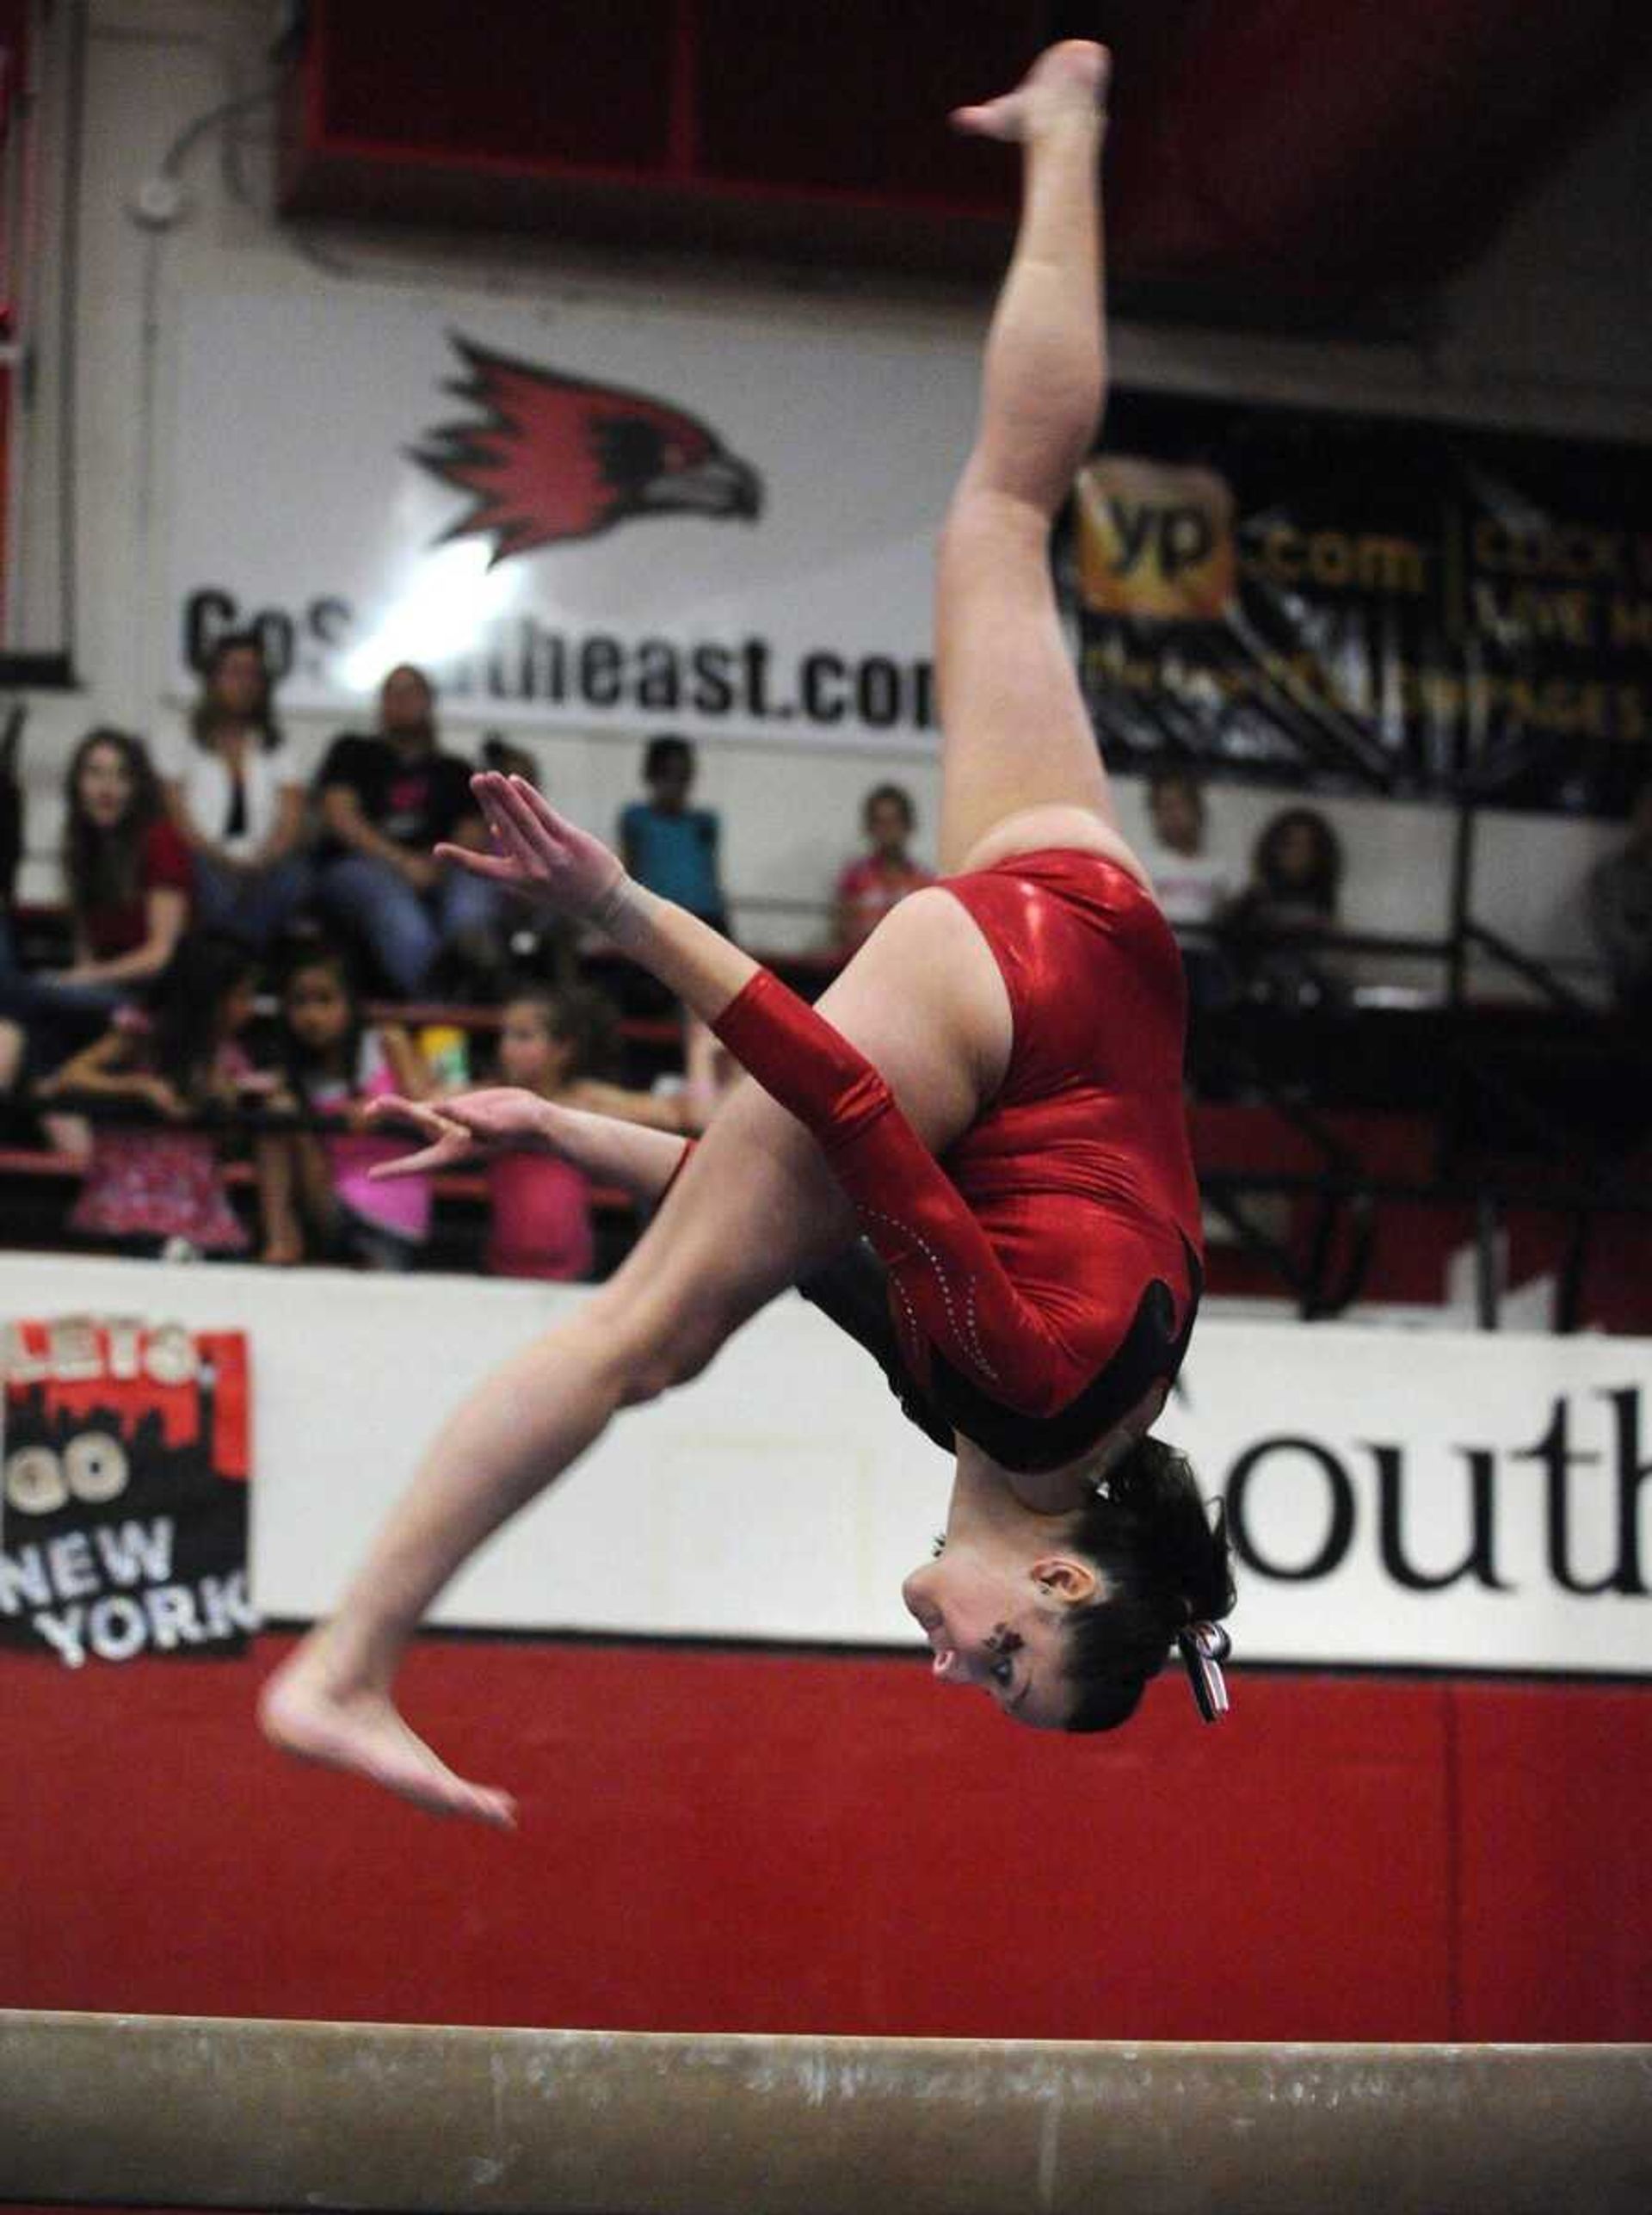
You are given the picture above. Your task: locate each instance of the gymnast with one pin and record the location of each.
(974, 1155)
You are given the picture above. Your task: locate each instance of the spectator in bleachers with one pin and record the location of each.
(1194, 888)
(129, 880)
(669, 846)
(879, 879)
(1193, 885)
(147, 1188)
(385, 800)
(558, 1044)
(317, 1196)
(1274, 928)
(511, 760)
(1620, 910)
(239, 806)
(538, 945)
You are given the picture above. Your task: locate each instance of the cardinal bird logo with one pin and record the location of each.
(550, 458)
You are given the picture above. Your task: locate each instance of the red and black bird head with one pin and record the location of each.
(553, 458)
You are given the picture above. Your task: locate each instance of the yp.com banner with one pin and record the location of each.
(575, 514)
(123, 1503)
(1356, 603)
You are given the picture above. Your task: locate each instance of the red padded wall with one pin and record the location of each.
(768, 1842)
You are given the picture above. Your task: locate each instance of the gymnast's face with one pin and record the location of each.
(996, 1619)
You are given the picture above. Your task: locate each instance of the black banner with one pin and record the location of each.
(1349, 603)
(123, 1511)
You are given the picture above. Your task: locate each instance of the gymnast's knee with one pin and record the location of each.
(995, 518)
(655, 1358)
(992, 560)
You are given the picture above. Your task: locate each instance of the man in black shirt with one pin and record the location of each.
(385, 802)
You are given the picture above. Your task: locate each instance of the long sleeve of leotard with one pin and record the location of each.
(952, 1290)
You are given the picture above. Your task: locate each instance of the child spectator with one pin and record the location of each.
(666, 844)
(385, 801)
(315, 1185)
(237, 808)
(145, 1188)
(1193, 887)
(555, 1043)
(128, 877)
(537, 943)
(879, 881)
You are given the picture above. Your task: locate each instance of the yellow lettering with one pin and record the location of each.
(1571, 552)
(1339, 560)
(1282, 555)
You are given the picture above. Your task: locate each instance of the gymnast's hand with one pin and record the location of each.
(467, 1128)
(536, 852)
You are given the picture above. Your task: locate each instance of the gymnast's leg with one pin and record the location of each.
(754, 1209)
(1021, 767)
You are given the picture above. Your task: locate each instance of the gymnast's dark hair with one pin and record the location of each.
(1165, 1563)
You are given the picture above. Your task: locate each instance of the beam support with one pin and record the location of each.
(184, 2111)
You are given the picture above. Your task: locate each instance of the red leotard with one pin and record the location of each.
(1021, 1258)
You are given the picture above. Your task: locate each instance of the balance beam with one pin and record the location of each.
(192, 2112)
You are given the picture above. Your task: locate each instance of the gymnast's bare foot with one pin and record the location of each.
(310, 1707)
(1071, 75)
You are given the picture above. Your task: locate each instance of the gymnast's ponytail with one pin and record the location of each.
(1166, 1564)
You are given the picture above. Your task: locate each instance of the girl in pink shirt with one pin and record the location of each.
(319, 1197)
(552, 1042)
(879, 879)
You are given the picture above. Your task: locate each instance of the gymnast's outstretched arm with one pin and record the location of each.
(953, 1291)
(474, 1126)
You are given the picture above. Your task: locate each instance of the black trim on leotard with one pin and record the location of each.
(853, 1291)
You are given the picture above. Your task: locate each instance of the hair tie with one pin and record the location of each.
(1204, 1647)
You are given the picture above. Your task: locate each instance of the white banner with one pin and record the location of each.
(1398, 1499)
(1438, 1498)
(571, 513)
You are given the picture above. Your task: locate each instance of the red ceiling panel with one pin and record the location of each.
(1297, 147)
